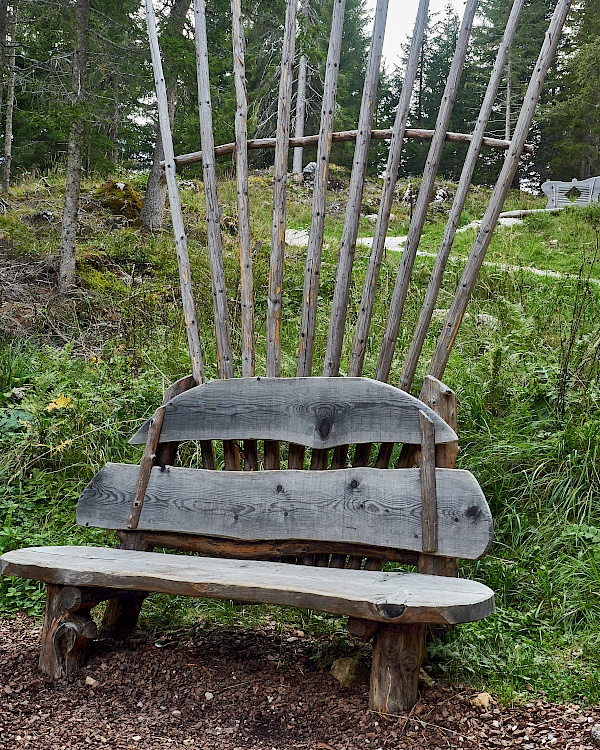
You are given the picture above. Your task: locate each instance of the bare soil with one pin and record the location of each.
(241, 689)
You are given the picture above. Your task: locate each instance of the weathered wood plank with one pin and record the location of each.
(316, 412)
(276, 549)
(386, 597)
(360, 506)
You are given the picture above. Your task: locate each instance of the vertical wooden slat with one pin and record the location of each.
(215, 247)
(501, 188)
(183, 261)
(315, 239)
(243, 206)
(442, 400)
(420, 213)
(337, 322)
(300, 105)
(429, 519)
(271, 451)
(437, 274)
(365, 312)
(312, 269)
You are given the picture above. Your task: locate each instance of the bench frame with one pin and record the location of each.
(398, 640)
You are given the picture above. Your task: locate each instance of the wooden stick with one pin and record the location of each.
(271, 451)
(509, 168)
(241, 162)
(312, 268)
(215, 247)
(365, 313)
(337, 322)
(435, 283)
(417, 223)
(146, 467)
(315, 240)
(243, 205)
(343, 136)
(183, 261)
(429, 512)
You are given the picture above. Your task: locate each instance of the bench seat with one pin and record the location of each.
(381, 596)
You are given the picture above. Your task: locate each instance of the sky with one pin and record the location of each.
(400, 23)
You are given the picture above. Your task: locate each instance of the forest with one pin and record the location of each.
(116, 103)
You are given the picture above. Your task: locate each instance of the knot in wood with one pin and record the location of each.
(325, 419)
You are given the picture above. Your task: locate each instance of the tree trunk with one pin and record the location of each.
(113, 130)
(10, 102)
(66, 273)
(3, 30)
(153, 208)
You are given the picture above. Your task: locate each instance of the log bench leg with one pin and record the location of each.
(398, 652)
(68, 630)
(121, 614)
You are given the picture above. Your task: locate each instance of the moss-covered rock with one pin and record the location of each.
(120, 198)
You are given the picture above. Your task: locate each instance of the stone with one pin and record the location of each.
(345, 670)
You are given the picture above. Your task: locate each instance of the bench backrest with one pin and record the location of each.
(365, 511)
(559, 193)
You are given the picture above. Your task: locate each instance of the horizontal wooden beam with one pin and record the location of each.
(316, 412)
(362, 506)
(344, 136)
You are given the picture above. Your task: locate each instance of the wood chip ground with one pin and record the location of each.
(237, 689)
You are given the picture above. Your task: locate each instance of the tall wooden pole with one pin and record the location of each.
(427, 183)
(437, 274)
(277, 259)
(315, 239)
(183, 261)
(341, 292)
(365, 312)
(490, 219)
(300, 104)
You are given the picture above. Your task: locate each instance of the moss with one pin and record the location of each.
(120, 198)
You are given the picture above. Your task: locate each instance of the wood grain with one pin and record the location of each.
(429, 509)
(316, 412)
(360, 506)
(385, 597)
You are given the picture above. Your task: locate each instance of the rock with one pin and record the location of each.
(483, 319)
(91, 681)
(483, 700)
(595, 734)
(120, 198)
(308, 173)
(345, 670)
(208, 696)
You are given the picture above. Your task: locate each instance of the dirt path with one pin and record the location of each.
(242, 689)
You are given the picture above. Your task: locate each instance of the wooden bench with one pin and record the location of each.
(574, 193)
(256, 524)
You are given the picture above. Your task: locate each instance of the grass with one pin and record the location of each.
(525, 369)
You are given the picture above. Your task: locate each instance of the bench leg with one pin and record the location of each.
(398, 652)
(121, 615)
(68, 630)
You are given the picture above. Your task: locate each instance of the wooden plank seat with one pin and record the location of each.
(254, 524)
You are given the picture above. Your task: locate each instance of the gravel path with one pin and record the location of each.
(241, 689)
